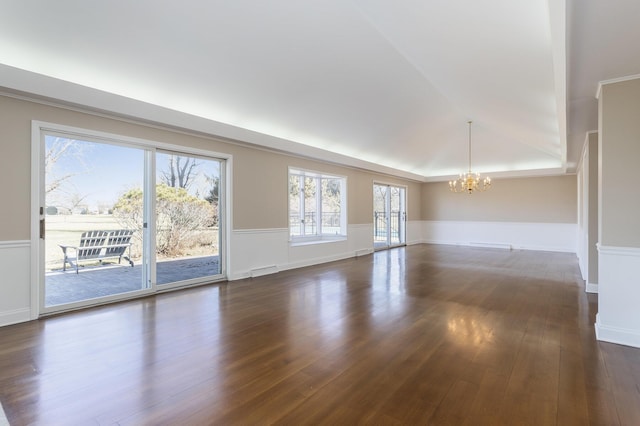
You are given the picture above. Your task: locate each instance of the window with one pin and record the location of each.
(317, 205)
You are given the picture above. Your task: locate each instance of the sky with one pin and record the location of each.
(101, 172)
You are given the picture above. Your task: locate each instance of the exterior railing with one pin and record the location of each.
(330, 221)
(380, 225)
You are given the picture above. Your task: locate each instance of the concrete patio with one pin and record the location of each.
(110, 279)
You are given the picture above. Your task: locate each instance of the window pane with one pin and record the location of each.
(310, 206)
(94, 235)
(379, 213)
(394, 214)
(331, 205)
(294, 205)
(187, 217)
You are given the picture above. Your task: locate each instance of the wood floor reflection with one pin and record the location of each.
(418, 335)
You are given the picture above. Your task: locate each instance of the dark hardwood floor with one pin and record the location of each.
(418, 335)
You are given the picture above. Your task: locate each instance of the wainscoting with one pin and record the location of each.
(559, 237)
(15, 279)
(264, 251)
(618, 319)
(256, 252)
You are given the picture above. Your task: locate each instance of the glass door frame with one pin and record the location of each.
(221, 208)
(39, 130)
(402, 218)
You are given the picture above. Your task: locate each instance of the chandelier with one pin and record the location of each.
(469, 182)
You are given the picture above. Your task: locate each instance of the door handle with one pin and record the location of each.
(42, 229)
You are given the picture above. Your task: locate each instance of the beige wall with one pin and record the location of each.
(15, 165)
(536, 199)
(259, 177)
(619, 152)
(271, 169)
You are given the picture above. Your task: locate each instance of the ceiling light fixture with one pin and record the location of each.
(469, 182)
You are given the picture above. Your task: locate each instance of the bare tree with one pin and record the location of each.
(214, 192)
(75, 201)
(182, 171)
(57, 148)
(213, 197)
(379, 196)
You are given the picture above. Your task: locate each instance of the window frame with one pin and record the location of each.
(318, 236)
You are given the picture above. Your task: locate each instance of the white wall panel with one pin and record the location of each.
(360, 239)
(516, 235)
(258, 250)
(15, 276)
(263, 251)
(618, 319)
(313, 254)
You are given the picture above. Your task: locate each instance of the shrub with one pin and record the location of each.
(179, 216)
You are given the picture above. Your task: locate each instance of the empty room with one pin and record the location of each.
(339, 212)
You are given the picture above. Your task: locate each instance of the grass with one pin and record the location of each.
(67, 230)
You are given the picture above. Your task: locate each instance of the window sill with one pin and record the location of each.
(319, 240)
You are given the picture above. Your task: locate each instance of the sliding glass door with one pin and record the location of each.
(389, 216)
(120, 219)
(94, 241)
(187, 218)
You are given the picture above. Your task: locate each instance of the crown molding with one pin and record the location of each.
(614, 80)
(585, 145)
(39, 88)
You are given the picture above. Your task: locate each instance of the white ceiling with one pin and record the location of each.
(379, 84)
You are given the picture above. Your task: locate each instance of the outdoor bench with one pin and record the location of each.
(99, 245)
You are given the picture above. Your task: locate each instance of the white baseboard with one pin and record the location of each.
(15, 316)
(497, 246)
(363, 252)
(591, 288)
(265, 270)
(491, 245)
(620, 336)
(241, 275)
(316, 261)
